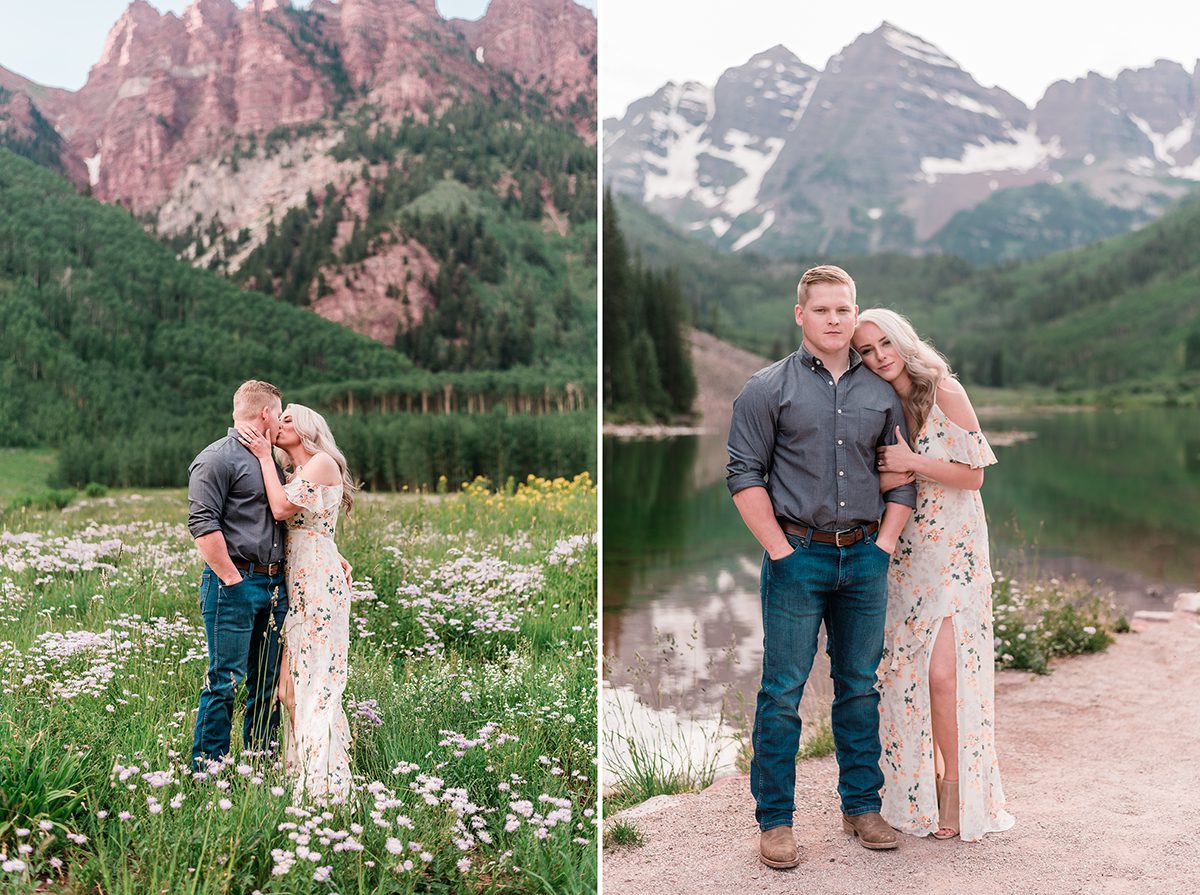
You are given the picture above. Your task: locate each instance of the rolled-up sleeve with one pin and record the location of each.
(208, 485)
(905, 494)
(751, 437)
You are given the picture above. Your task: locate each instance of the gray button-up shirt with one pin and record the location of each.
(811, 442)
(226, 494)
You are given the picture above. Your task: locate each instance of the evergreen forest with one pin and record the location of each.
(647, 361)
(503, 201)
(1116, 318)
(124, 359)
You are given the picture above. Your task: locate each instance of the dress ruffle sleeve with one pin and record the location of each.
(964, 446)
(310, 496)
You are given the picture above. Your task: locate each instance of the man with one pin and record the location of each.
(242, 595)
(802, 474)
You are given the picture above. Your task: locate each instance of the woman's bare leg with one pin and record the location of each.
(943, 702)
(286, 692)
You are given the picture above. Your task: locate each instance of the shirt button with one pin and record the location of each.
(839, 441)
(841, 503)
(841, 472)
(839, 410)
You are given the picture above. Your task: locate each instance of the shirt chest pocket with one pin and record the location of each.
(246, 486)
(870, 425)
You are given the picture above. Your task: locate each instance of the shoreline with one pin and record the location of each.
(1092, 761)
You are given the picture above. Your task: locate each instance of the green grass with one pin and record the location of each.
(103, 663)
(622, 834)
(446, 197)
(819, 742)
(24, 471)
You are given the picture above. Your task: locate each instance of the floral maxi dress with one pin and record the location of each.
(941, 571)
(317, 633)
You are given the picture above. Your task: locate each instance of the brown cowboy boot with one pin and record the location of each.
(871, 829)
(777, 848)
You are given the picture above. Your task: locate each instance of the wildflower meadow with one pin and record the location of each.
(472, 702)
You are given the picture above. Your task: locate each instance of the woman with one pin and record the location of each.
(937, 674)
(316, 631)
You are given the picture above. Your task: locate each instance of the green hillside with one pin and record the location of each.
(1033, 221)
(502, 196)
(1118, 315)
(125, 359)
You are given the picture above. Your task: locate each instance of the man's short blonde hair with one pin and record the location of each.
(252, 396)
(825, 273)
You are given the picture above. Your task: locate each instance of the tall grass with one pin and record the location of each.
(471, 698)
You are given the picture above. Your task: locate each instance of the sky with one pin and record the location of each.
(56, 42)
(1022, 46)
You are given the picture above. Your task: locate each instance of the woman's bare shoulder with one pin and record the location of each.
(322, 469)
(952, 398)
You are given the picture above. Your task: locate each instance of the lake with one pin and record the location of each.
(1112, 497)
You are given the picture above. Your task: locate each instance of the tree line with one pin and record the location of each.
(125, 359)
(647, 361)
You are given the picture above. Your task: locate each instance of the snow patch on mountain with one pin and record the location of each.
(802, 106)
(673, 174)
(959, 100)
(1142, 166)
(915, 48)
(1190, 172)
(743, 195)
(1166, 145)
(746, 238)
(1023, 151)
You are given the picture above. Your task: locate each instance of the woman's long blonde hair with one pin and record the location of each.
(926, 366)
(315, 437)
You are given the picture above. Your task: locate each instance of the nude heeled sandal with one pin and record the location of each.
(947, 793)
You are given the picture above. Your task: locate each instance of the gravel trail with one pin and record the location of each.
(1101, 767)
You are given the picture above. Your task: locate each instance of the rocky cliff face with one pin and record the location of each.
(226, 115)
(549, 45)
(893, 140)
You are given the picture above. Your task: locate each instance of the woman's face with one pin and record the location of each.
(877, 353)
(287, 431)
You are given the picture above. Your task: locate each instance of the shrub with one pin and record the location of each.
(1034, 623)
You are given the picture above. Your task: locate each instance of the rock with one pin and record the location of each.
(549, 45)
(1147, 615)
(650, 806)
(1189, 602)
(170, 90)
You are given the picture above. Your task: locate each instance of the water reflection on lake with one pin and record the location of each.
(1112, 497)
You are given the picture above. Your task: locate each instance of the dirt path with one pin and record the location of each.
(1101, 767)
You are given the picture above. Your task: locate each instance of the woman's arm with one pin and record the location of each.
(953, 400)
(281, 507)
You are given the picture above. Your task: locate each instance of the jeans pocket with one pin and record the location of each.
(797, 545)
(229, 590)
(210, 588)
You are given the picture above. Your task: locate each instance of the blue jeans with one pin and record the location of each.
(242, 625)
(846, 588)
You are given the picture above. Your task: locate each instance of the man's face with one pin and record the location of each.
(828, 317)
(271, 420)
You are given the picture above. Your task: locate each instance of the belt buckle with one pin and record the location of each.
(837, 537)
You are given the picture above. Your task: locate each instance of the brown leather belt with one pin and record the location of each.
(843, 538)
(258, 568)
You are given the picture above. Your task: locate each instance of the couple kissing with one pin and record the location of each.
(275, 591)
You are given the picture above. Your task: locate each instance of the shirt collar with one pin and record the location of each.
(815, 363)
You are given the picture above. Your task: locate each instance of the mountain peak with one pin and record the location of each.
(777, 53)
(908, 44)
(139, 14)
(209, 13)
